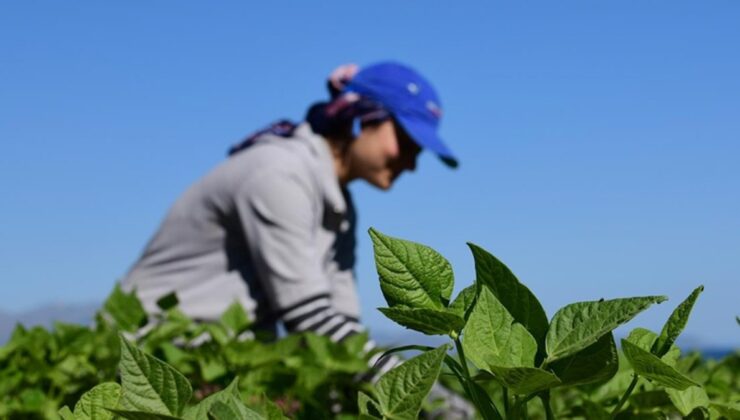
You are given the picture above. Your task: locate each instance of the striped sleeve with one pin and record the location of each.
(317, 315)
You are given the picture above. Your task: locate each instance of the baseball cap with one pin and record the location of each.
(410, 98)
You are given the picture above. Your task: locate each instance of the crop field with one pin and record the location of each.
(504, 355)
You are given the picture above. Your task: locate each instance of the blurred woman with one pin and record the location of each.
(273, 226)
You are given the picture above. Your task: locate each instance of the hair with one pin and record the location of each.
(335, 127)
(335, 119)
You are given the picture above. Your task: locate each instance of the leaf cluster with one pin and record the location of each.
(43, 370)
(508, 352)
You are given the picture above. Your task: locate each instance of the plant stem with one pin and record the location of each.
(466, 373)
(545, 397)
(463, 360)
(513, 412)
(519, 407)
(626, 395)
(506, 399)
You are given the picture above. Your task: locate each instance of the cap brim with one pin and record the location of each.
(426, 136)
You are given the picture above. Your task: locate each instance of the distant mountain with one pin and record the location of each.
(80, 313)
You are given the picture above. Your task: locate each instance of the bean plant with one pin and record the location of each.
(503, 353)
(306, 375)
(507, 352)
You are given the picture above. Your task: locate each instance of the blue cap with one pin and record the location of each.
(411, 100)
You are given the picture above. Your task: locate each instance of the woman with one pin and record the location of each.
(273, 227)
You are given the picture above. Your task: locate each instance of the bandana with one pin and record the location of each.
(280, 128)
(323, 117)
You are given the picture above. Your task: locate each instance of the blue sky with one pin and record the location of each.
(599, 142)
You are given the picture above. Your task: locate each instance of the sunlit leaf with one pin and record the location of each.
(150, 384)
(402, 389)
(411, 274)
(492, 338)
(650, 366)
(427, 321)
(579, 325)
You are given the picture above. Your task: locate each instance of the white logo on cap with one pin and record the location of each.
(413, 88)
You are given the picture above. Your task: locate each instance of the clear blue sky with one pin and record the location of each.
(599, 141)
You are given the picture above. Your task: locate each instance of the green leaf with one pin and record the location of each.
(688, 399)
(731, 411)
(33, 399)
(645, 339)
(524, 380)
(332, 356)
(463, 303)
(367, 406)
(598, 362)
(614, 388)
(218, 333)
(150, 384)
(200, 410)
(173, 354)
(66, 414)
(650, 399)
(94, 403)
(270, 410)
(252, 354)
(168, 301)
(232, 409)
(650, 366)
(125, 309)
(235, 318)
(642, 338)
(594, 411)
(141, 415)
(211, 368)
(402, 389)
(515, 296)
(411, 274)
(428, 321)
(492, 338)
(579, 325)
(675, 324)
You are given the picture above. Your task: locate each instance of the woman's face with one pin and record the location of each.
(380, 153)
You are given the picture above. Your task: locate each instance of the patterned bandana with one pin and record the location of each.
(343, 107)
(281, 128)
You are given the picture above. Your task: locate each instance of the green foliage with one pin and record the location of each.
(525, 380)
(412, 275)
(41, 371)
(235, 319)
(125, 310)
(201, 410)
(150, 384)
(570, 363)
(153, 390)
(463, 303)
(427, 321)
(596, 363)
(401, 391)
(518, 300)
(689, 399)
(650, 366)
(579, 325)
(492, 338)
(675, 324)
(92, 404)
(510, 363)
